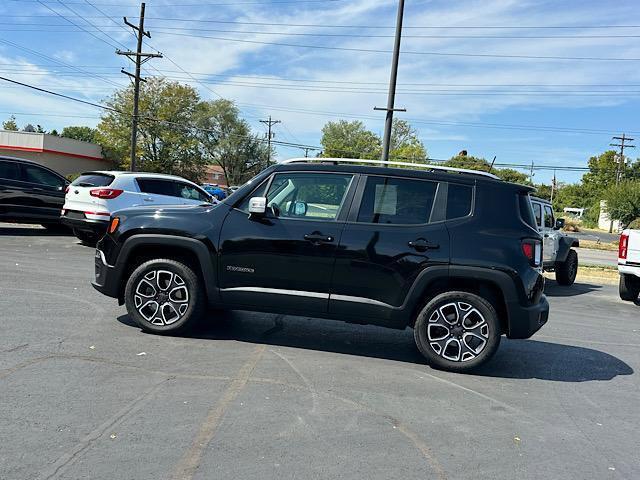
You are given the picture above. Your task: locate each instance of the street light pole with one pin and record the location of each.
(388, 124)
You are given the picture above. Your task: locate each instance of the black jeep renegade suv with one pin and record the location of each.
(453, 254)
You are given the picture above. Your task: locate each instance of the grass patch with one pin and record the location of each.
(610, 247)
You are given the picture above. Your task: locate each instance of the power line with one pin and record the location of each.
(164, 29)
(410, 52)
(217, 4)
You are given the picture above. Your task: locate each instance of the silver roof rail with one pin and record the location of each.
(391, 164)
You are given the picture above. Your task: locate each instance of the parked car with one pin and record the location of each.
(216, 191)
(629, 265)
(30, 193)
(558, 247)
(455, 254)
(93, 196)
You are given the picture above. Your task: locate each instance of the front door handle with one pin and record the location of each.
(148, 199)
(317, 237)
(421, 245)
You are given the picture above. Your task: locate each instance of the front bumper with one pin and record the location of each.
(106, 279)
(525, 321)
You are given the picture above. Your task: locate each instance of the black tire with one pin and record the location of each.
(566, 271)
(163, 321)
(88, 238)
(427, 331)
(629, 287)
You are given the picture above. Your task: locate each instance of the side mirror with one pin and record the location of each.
(258, 206)
(559, 223)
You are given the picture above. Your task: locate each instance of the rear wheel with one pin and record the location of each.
(629, 287)
(566, 271)
(164, 296)
(457, 331)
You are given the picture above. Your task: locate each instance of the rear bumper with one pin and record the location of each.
(85, 224)
(525, 321)
(629, 269)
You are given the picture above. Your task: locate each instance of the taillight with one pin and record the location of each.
(66, 190)
(106, 193)
(623, 248)
(532, 249)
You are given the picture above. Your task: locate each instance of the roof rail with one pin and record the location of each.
(391, 164)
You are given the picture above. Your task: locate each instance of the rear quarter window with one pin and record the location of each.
(459, 200)
(9, 170)
(93, 180)
(526, 211)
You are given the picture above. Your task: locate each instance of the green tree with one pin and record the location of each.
(226, 140)
(343, 139)
(167, 142)
(623, 201)
(406, 145)
(10, 124)
(469, 162)
(29, 128)
(601, 174)
(84, 134)
(543, 191)
(511, 175)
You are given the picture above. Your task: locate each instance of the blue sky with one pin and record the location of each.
(488, 105)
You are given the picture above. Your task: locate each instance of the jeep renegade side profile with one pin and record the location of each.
(454, 254)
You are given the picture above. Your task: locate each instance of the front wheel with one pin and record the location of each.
(629, 287)
(164, 296)
(457, 331)
(566, 271)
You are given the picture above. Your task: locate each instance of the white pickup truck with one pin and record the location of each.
(629, 265)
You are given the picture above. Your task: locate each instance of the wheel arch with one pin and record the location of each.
(493, 286)
(138, 249)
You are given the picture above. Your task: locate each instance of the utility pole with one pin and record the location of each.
(531, 172)
(386, 141)
(620, 163)
(306, 152)
(620, 160)
(138, 58)
(269, 124)
(553, 185)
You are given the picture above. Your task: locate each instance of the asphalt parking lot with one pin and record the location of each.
(86, 394)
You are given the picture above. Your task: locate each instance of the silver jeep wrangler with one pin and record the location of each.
(558, 254)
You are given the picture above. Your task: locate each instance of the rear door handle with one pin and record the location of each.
(317, 237)
(421, 245)
(148, 199)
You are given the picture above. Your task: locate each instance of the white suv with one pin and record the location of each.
(93, 196)
(629, 265)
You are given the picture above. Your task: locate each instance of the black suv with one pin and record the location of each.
(30, 193)
(454, 254)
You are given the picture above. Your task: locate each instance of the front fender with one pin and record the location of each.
(197, 247)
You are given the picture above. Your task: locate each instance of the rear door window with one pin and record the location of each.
(459, 199)
(40, 176)
(93, 180)
(397, 201)
(9, 170)
(158, 186)
(191, 193)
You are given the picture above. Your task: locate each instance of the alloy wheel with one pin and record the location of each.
(457, 332)
(161, 297)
